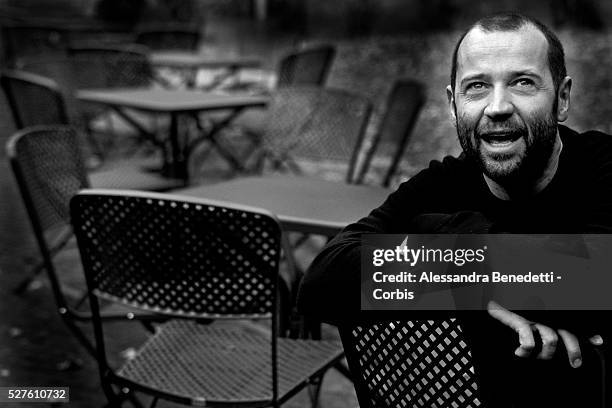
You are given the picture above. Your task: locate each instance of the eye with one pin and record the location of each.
(475, 86)
(524, 83)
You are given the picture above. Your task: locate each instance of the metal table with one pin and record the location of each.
(302, 204)
(175, 103)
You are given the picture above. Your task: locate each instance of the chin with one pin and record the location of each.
(501, 171)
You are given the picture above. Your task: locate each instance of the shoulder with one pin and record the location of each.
(443, 182)
(591, 142)
(589, 153)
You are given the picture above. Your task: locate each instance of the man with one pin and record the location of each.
(520, 172)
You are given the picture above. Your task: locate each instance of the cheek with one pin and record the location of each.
(469, 112)
(534, 108)
(468, 120)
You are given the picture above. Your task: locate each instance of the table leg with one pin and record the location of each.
(211, 137)
(177, 166)
(174, 165)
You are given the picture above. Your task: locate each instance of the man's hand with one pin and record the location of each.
(525, 330)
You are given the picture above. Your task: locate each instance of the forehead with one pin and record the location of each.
(499, 52)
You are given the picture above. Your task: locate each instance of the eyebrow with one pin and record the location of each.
(513, 74)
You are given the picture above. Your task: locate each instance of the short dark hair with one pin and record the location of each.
(513, 22)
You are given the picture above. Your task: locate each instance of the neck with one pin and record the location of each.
(505, 192)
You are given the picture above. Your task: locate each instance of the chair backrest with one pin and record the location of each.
(178, 256)
(169, 38)
(111, 66)
(34, 100)
(317, 125)
(49, 169)
(419, 363)
(404, 103)
(309, 66)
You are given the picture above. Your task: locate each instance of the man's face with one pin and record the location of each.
(504, 102)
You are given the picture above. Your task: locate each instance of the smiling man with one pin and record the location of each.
(511, 91)
(520, 172)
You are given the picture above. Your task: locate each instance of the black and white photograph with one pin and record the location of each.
(306, 203)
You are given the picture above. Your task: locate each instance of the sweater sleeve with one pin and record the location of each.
(330, 288)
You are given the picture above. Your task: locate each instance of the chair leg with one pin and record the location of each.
(135, 401)
(314, 390)
(95, 146)
(148, 326)
(114, 400)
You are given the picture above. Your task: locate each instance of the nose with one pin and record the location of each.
(500, 106)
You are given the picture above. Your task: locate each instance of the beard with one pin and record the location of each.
(509, 168)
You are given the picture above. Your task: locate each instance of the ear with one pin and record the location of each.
(451, 103)
(563, 99)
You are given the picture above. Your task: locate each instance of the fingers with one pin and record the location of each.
(572, 346)
(505, 316)
(526, 340)
(519, 324)
(549, 341)
(550, 338)
(596, 340)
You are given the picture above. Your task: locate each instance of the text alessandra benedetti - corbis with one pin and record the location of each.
(493, 277)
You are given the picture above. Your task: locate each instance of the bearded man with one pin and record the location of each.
(520, 172)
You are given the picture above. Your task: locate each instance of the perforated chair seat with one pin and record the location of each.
(236, 361)
(415, 363)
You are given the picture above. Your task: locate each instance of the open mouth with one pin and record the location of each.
(500, 139)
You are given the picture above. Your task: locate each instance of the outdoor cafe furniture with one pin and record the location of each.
(102, 67)
(301, 204)
(405, 100)
(49, 169)
(36, 100)
(305, 66)
(309, 127)
(306, 205)
(190, 63)
(175, 103)
(198, 260)
(410, 363)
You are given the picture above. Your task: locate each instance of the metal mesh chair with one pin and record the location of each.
(420, 363)
(315, 125)
(34, 100)
(111, 66)
(49, 170)
(307, 66)
(403, 106)
(169, 38)
(103, 67)
(194, 259)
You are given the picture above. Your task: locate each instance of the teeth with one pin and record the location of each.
(500, 142)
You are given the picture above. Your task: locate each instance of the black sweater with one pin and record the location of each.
(577, 200)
